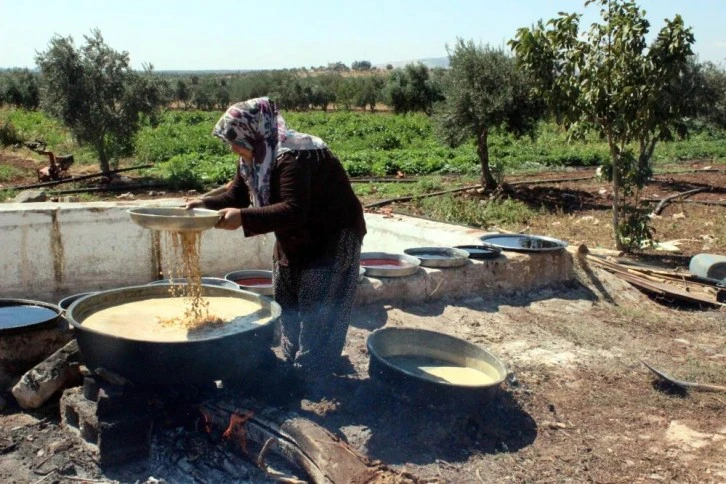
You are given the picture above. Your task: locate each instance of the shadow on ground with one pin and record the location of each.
(374, 316)
(398, 432)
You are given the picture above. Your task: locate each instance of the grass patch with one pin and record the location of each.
(36, 125)
(474, 212)
(7, 173)
(7, 195)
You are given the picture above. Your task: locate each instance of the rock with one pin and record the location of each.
(588, 218)
(69, 199)
(680, 215)
(55, 372)
(119, 180)
(29, 196)
(126, 196)
(191, 192)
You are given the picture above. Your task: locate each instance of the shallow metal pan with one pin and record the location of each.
(398, 265)
(174, 219)
(256, 276)
(439, 256)
(524, 243)
(483, 251)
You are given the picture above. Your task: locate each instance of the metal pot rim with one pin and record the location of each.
(274, 308)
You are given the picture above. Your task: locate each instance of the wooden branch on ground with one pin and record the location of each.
(683, 195)
(686, 385)
(383, 180)
(659, 282)
(717, 203)
(694, 170)
(554, 180)
(322, 455)
(76, 178)
(425, 195)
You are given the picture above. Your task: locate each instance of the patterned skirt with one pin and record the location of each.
(316, 305)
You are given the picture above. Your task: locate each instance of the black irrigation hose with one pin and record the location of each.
(116, 188)
(77, 178)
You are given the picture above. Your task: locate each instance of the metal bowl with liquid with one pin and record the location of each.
(161, 362)
(431, 368)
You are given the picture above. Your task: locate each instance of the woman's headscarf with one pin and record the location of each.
(256, 125)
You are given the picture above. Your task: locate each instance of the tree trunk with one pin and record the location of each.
(646, 153)
(102, 157)
(615, 157)
(487, 180)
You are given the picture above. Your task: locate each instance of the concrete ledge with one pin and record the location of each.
(53, 250)
(506, 273)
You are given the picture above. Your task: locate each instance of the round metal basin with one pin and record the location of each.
(383, 264)
(174, 219)
(482, 251)
(524, 243)
(207, 281)
(391, 351)
(439, 256)
(257, 281)
(66, 302)
(21, 315)
(191, 361)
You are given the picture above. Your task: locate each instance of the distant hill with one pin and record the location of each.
(428, 62)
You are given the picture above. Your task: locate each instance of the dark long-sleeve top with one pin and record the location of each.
(311, 201)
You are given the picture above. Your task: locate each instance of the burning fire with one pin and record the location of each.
(236, 429)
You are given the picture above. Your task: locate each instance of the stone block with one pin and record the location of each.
(59, 370)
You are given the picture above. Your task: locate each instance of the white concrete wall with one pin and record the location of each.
(52, 250)
(396, 233)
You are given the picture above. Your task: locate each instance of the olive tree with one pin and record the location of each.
(610, 80)
(411, 89)
(96, 94)
(484, 91)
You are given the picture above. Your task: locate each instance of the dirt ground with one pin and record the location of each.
(578, 404)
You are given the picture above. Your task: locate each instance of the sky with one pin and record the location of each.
(242, 34)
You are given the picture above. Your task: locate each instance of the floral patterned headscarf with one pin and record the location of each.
(256, 125)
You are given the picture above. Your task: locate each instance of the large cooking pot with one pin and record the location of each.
(151, 362)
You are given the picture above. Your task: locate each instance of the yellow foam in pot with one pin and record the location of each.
(142, 320)
(443, 371)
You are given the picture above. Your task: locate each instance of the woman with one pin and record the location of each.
(291, 184)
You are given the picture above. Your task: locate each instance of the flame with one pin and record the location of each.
(236, 428)
(207, 423)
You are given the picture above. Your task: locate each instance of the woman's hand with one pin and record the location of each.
(194, 203)
(231, 219)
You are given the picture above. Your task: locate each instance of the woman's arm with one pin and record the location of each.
(293, 179)
(236, 196)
